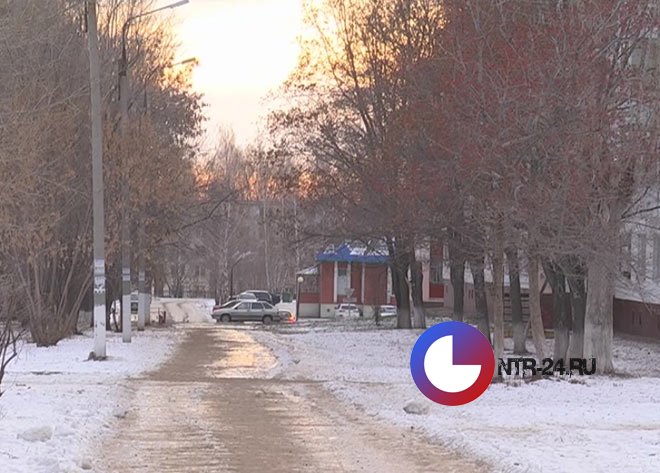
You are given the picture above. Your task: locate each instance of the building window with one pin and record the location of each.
(626, 250)
(342, 281)
(641, 258)
(436, 273)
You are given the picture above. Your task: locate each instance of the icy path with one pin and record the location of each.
(214, 407)
(57, 403)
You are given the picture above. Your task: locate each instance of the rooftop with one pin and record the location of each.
(354, 253)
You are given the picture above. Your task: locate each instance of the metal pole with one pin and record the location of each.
(144, 301)
(148, 295)
(97, 183)
(125, 201)
(142, 296)
(125, 191)
(298, 282)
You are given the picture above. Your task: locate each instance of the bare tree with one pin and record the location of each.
(349, 129)
(45, 217)
(11, 327)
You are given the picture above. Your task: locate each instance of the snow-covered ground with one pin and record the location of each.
(583, 424)
(56, 402)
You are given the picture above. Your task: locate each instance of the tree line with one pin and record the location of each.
(45, 164)
(516, 133)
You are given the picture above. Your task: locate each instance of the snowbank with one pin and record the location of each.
(186, 310)
(585, 424)
(56, 402)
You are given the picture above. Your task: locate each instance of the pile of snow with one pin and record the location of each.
(56, 402)
(582, 424)
(186, 310)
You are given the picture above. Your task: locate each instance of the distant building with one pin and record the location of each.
(637, 301)
(636, 305)
(355, 273)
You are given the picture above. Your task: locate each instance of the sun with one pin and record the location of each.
(246, 49)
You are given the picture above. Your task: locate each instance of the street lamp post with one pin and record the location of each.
(97, 183)
(299, 281)
(125, 230)
(125, 227)
(144, 311)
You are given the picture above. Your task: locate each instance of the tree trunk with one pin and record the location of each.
(214, 282)
(598, 321)
(576, 282)
(560, 316)
(416, 280)
(399, 268)
(159, 280)
(480, 299)
(498, 303)
(402, 294)
(457, 276)
(518, 326)
(535, 316)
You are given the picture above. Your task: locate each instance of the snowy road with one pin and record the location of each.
(575, 425)
(214, 407)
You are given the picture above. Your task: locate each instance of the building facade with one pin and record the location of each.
(354, 273)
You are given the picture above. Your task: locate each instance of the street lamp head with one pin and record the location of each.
(131, 19)
(300, 279)
(178, 4)
(156, 10)
(190, 60)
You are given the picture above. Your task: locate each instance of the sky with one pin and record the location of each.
(246, 48)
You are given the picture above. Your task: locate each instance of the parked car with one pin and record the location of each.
(348, 310)
(226, 305)
(388, 311)
(250, 311)
(264, 296)
(243, 296)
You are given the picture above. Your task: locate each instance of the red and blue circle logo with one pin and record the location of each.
(452, 363)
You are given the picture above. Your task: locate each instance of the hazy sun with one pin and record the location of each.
(246, 48)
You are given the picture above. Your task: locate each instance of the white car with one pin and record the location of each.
(388, 311)
(247, 296)
(347, 310)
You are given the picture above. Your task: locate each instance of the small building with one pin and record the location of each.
(358, 274)
(636, 304)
